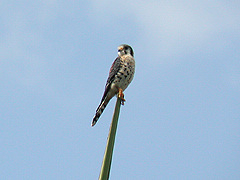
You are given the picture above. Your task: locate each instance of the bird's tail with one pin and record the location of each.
(99, 111)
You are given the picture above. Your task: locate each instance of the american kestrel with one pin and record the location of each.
(120, 76)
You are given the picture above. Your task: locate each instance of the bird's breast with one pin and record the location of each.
(126, 72)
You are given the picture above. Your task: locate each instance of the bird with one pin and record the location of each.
(120, 76)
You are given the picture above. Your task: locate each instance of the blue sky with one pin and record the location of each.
(181, 117)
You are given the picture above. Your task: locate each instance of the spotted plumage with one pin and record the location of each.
(120, 76)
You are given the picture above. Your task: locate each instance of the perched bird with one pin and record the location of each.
(120, 76)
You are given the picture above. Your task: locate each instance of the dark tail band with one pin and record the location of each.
(99, 111)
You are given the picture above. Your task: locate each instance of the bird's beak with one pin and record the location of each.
(120, 49)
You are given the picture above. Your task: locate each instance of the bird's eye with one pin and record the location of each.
(119, 50)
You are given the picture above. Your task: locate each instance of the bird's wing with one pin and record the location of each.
(113, 71)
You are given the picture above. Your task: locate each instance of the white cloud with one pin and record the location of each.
(187, 24)
(170, 28)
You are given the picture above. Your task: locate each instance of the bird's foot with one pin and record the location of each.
(121, 95)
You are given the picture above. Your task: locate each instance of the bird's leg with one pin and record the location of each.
(121, 95)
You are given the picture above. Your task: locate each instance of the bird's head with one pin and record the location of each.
(125, 49)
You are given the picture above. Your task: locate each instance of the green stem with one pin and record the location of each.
(107, 159)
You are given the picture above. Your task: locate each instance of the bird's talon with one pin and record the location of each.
(121, 95)
(122, 101)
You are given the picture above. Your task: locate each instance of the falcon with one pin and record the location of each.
(120, 76)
